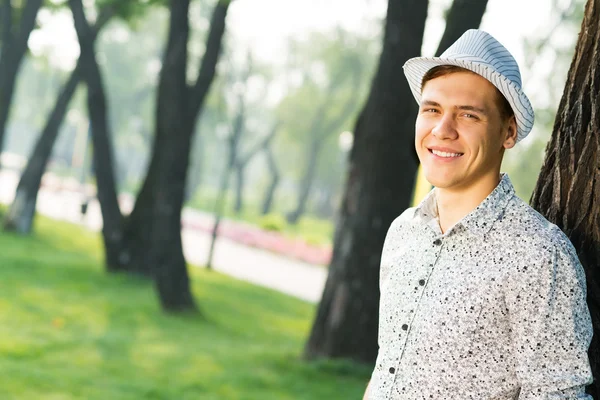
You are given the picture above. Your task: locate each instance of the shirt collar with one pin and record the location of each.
(480, 220)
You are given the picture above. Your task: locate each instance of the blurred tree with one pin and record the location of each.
(568, 188)
(332, 87)
(153, 229)
(20, 215)
(379, 187)
(269, 195)
(103, 156)
(233, 140)
(16, 23)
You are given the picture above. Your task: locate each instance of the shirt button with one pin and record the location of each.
(422, 282)
(404, 327)
(392, 370)
(437, 242)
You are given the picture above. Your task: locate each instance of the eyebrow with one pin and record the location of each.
(462, 107)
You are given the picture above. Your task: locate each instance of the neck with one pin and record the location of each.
(454, 204)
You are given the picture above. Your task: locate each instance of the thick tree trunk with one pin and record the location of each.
(568, 188)
(14, 46)
(270, 193)
(379, 185)
(22, 210)
(154, 227)
(116, 253)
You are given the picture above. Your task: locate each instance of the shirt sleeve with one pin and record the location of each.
(550, 324)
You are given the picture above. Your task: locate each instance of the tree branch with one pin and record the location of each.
(263, 143)
(463, 15)
(208, 66)
(6, 23)
(27, 23)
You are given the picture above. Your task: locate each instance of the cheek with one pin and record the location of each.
(421, 129)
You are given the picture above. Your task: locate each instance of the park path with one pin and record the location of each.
(296, 278)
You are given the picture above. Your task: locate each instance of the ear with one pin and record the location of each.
(511, 133)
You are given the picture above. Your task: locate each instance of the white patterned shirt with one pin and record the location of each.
(494, 309)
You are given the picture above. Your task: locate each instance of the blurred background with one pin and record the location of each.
(178, 181)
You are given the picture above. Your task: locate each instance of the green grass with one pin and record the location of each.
(70, 331)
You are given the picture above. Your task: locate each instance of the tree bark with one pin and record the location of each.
(379, 185)
(567, 192)
(21, 213)
(154, 227)
(14, 46)
(115, 250)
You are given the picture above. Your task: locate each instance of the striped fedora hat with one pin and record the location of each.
(480, 52)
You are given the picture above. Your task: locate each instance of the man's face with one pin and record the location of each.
(460, 134)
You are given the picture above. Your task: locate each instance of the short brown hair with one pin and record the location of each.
(504, 107)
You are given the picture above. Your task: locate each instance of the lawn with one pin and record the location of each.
(70, 331)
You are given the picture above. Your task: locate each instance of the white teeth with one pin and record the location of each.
(444, 154)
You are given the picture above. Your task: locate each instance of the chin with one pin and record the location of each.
(439, 181)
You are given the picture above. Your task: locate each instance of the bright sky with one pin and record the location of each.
(265, 24)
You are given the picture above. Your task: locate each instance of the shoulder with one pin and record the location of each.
(402, 221)
(533, 238)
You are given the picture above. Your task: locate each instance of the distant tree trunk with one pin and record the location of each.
(13, 38)
(116, 254)
(313, 153)
(379, 185)
(270, 193)
(240, 181)
(154, 227)
(324, 207)
(20, 215)
(320, 131)
(196, 168)
(240, 166)
(233, 139)
(568, 188)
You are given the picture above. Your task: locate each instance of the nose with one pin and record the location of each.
(445, 127)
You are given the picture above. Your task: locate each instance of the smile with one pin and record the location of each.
(445, 154)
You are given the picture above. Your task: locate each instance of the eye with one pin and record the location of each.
(470, 116)
(430, 110)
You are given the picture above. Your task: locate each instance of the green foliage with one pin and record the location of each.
(70, 331)
(273, 222)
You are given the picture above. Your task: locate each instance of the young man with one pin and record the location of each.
(481, 297)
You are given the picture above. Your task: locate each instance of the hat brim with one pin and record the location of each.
(417, 67)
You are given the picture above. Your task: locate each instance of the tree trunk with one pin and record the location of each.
(568, 188)
(115, 250)
(463, 15)
(154, 226)
(239, 187)
(20, 215)
(22, 210)
(233, 140)
(314, 150)
(14, 46)
(270, 193)
(379, 185)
